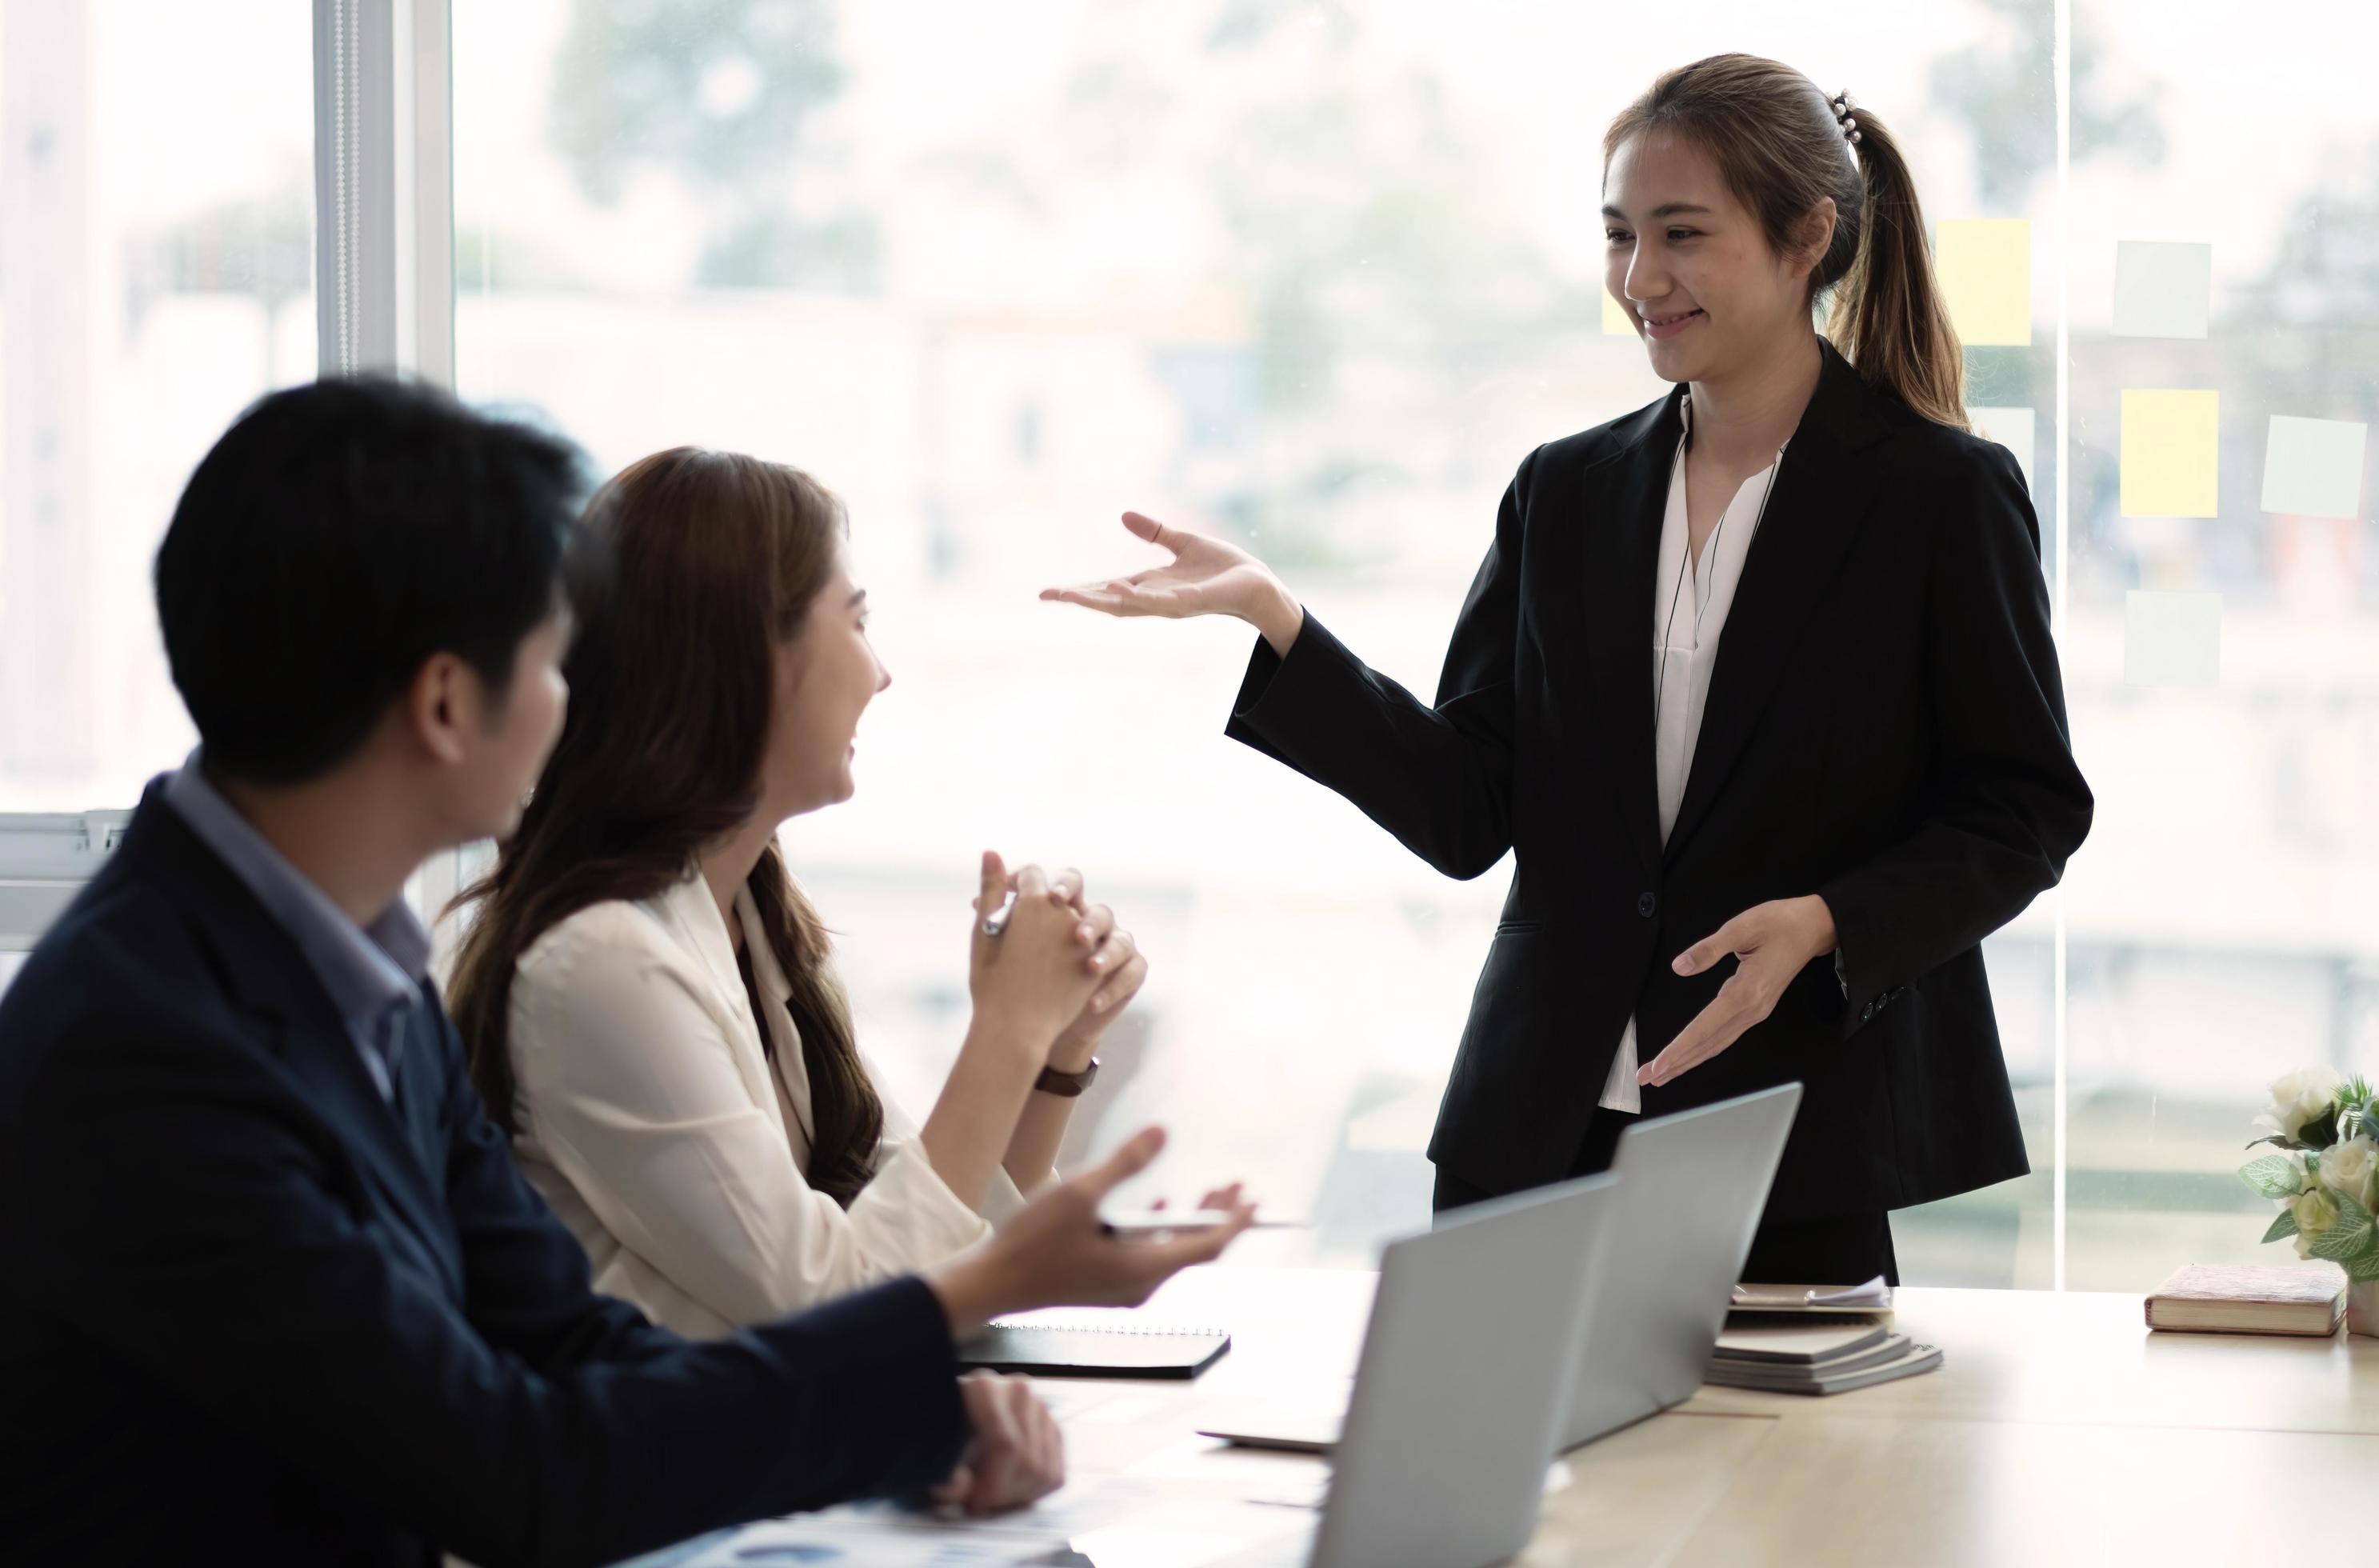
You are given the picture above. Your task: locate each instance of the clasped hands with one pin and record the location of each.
(1771, 943)
(1103, 965)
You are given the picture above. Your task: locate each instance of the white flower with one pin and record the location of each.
(2315, 1211)
(2349, 1167)
(2298, 1098)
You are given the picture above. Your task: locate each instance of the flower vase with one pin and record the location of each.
(2362, 1308)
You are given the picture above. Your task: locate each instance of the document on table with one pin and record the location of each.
(1113, 1521)
(817, 1538)
(1872, 1296)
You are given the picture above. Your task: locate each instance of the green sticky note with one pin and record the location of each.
(2172, 639)
(2162, 290)
(2313, 468)
(2170, 442)
(1985, 268)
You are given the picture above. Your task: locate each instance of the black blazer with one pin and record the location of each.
(1885, 728)
(255, 1313)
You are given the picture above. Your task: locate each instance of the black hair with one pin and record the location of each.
(337, 537)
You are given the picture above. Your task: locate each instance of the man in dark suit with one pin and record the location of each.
(276, 1291)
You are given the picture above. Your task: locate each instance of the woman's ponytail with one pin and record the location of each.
(1887, 315)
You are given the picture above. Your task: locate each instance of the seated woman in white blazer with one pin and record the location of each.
(648, 998)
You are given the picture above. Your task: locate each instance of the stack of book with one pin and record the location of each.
(1821, 1357)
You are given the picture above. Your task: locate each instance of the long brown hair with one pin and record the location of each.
(1782, 150)
(716, 559)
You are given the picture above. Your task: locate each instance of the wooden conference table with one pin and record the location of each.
(2058, 1430)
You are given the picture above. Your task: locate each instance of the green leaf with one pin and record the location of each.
(2366, 1267)
(2283, 1227)
(2274, 1175)
(2320, 1132)
(2274, 1140)
(2349, 1236)
(2341, 1242)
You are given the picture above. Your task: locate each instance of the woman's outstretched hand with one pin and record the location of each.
(1771, 943)
(1206, 576)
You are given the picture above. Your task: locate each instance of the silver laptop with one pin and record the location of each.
(1439, 1459)
(1692, 1188)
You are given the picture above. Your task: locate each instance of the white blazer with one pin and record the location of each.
(674, 1148)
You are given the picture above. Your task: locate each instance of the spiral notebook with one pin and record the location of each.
(1094, 1350)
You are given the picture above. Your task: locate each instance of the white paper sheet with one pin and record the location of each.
(824, 1542)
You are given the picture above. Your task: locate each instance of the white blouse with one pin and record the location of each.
(1689, 610)
(675, 1148)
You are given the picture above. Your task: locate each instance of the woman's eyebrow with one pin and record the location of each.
(1666, 209)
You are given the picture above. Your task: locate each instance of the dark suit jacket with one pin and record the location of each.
(1885, 728)
(255, 1313)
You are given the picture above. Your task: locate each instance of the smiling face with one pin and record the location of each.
(1692, 267)
(826, 675)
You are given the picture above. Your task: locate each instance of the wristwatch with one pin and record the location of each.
(1066, 1085)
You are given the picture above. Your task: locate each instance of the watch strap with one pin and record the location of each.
(1066, 1085)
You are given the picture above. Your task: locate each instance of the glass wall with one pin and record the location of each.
(2225, 917)
(156, 252)
(1318, 276)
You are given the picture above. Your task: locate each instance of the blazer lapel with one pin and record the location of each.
(322, 1055)
(1821, 499)
(1617, 549)
(270, 979)
(702, 934)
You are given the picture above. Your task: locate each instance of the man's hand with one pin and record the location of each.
(1055, 1251)
(1017, 1455)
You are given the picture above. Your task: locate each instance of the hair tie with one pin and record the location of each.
(1843, 116)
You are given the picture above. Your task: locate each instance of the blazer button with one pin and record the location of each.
(1869, 1013)
(1646, 905)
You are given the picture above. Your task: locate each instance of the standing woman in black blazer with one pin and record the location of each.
(1743, 862)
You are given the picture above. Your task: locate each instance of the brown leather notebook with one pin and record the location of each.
(2304, 1298)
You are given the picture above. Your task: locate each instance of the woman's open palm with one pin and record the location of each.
(1207, 577)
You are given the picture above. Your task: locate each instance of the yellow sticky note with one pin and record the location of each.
(1985, 268)
(2170, 440)
(1616, 322)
